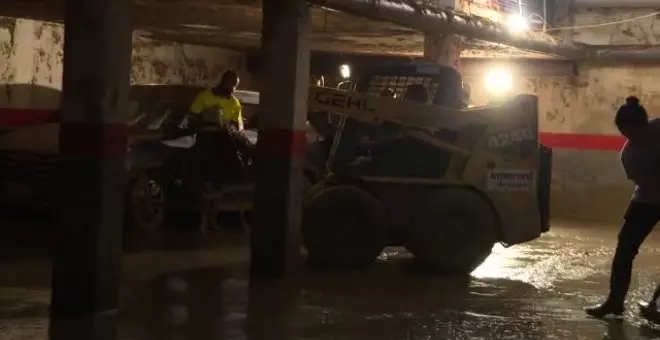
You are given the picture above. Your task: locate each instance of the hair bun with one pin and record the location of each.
(632, 100)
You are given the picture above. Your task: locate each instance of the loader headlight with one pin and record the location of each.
(499, 81)
(345, 71)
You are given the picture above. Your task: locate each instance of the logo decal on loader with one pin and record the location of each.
(343, 101)
(505, 139)
(510, 180)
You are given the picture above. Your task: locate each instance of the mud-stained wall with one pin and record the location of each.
(31, 53)
(643, 30)
(585, 103)
(586, 184)
(590, 184)
(169, 63)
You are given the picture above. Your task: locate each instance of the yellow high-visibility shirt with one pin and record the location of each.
(222, 108)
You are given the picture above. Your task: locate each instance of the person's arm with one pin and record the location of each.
(239, 117)
(647, 176)
(197, 107)
(234, 118)
(647, 181)
(642, 177)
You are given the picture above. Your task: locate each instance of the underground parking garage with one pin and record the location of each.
(92, 110)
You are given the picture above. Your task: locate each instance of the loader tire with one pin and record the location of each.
(343, 226)
(451, 231)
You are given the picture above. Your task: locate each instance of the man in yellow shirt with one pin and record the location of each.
(217, 105)
(217, 116)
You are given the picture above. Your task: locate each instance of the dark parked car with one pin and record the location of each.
(159, 165)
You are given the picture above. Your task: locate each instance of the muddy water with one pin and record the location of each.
(533, 291)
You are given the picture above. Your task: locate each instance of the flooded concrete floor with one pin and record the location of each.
(532, 291)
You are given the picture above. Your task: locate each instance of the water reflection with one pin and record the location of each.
(183, 305)
(387, 302)
(497, 263)
(527, 292)
(383, 303)
(102, 326)
(544, 263)
(615, 331)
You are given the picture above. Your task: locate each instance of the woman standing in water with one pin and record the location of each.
(640, 158)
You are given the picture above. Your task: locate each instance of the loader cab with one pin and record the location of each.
(443, 84)
(361, 149)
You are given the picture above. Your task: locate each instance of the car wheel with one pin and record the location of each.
(146, 201)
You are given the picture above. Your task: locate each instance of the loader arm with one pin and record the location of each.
(416, 120)
(374, 110)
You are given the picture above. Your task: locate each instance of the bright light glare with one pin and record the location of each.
(499, 80)
(497, 265)
(517, 23)
(345, 71)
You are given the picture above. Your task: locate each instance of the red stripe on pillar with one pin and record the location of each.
(26, 117)
(282, 142)
(94, 140)
(582, 141)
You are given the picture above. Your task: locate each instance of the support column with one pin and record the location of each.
(95, 89)
(275, 238)
(443, 49)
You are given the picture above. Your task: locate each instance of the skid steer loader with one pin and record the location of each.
(427, 173)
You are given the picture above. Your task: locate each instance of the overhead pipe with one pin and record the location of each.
(447, 21)
(647, 55)
(616, 4)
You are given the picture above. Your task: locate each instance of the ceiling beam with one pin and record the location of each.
(427, 19)
(652, 4)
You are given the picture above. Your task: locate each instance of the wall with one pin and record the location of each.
(585, 103)
(31, 54)
(642, 31)
(589, 184)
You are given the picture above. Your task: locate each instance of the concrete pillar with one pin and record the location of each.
(283, 109)
(87, 258)
(443, 49)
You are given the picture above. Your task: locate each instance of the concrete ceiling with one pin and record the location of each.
(236, 24)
